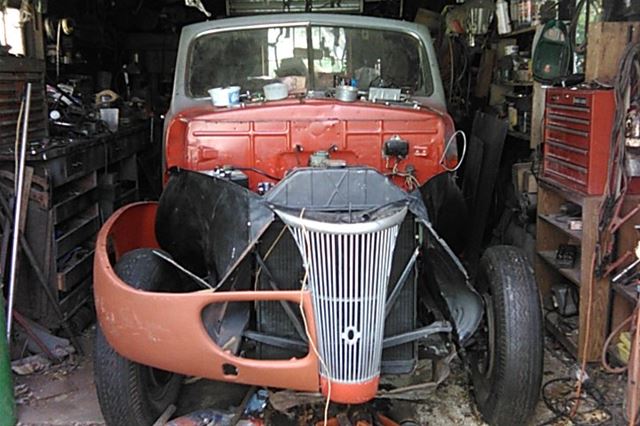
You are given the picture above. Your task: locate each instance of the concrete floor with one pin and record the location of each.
(65, 395)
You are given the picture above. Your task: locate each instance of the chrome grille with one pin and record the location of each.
(348, 267)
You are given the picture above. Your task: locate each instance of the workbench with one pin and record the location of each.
(74, 184)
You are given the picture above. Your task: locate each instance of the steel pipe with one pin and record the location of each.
(15, 238)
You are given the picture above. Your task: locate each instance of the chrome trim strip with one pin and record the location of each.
(343, 228)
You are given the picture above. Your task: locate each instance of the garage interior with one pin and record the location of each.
(544, 98)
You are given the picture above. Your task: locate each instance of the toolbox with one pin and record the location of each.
(577, 138)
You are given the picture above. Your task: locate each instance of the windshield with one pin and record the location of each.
(308, 58)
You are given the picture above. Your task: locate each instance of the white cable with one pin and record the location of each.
(185, 270)
(448, 145)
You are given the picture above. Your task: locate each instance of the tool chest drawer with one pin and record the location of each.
(577, 134)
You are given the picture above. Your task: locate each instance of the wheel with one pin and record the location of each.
(506, 357)
(130, 393)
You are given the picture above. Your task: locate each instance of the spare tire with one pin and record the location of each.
(130, 393)
(507, 354)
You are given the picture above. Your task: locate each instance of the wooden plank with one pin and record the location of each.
(607, 41)
(537, 115)
(594, 293)
(561, 222)
(485, 73)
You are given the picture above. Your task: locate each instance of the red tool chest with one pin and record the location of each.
(577, 138)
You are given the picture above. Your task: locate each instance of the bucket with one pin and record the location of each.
(225, 96)
(275, 91)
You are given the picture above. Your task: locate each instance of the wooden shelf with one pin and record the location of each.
(551, 232)
(572, 274)
(517, 83)
(555, 220)
(574, 197)
(518, 32)
(519, 135)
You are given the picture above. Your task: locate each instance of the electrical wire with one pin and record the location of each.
(267, 254)
(586, 343)
(573, 26)
(446, 148)
(626, 94)
(560, 403)
(258, 171)
(625, 89)
(409, 178)
(633, 373)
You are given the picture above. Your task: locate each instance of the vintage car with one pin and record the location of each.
(308, 240)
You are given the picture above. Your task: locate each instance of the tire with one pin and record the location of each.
(506, 358)
(129, 393)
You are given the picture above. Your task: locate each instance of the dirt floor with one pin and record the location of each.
(65, 395)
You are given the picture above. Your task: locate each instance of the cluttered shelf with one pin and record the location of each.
(572, 274)
(562, 222)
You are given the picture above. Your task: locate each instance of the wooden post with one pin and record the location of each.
(594, 293)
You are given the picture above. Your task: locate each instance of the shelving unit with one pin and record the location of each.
(508, 90)
(552, 230)
(572, 274)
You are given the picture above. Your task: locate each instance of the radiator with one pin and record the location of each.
(348, 267)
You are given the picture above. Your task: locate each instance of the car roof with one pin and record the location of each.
(181, 101)
(302, 18)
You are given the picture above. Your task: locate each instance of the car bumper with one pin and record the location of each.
(165, 330)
